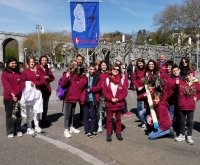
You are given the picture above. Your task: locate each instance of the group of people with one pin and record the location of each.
(33, 85)
(174, 90)
(101, 92)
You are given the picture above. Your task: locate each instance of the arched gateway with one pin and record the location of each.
(5, 38)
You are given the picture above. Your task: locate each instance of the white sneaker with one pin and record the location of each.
(189, 140)
(30, 131)
(180, 138)
(19, 134)
(73, 130)
(100, 129)
(38, 129)
(67, 134)
(10, 136)
(143, 127)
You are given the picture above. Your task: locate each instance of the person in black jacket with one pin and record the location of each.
(90, 103)
(130, 71)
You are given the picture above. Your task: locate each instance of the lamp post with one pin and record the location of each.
(25, 56)
(64, 46)
(40, 29)
(197, 51)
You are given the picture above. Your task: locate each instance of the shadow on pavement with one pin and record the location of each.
(54, 117)
(196, 126)
(134, 110)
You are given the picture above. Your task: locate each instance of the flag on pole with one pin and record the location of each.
(85, 24)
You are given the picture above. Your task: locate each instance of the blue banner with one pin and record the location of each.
(85, 24)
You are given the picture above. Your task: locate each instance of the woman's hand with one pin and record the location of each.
(195, 99)
(15, 99)
(113, 100)
(32, 84)
(140, 88)
(67, 74)
(177, 80)
(12, 94)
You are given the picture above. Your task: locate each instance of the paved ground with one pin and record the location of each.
(136, 148)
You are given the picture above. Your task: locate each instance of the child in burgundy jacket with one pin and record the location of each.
(163, 116)
(143, 97)
(188, 94)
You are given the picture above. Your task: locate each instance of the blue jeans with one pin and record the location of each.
(142, 115)
(156, 133)
(139, 103)
(171, 111)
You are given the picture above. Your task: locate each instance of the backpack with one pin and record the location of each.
(61, 92)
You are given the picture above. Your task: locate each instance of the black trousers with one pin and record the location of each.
(182, 118)
(13, 126)
(69, 113)
(90, 116)
(45, 108)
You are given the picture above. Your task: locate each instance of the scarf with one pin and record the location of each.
(115, 79)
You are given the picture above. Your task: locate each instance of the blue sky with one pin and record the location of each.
(21, 16)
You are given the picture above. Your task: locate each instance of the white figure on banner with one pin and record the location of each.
(79, 21)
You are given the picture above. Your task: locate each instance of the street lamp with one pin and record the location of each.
(64, 46)
(25, 56)
(40, 29)
(197, 36)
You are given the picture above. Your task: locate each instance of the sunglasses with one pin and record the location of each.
(115, 69)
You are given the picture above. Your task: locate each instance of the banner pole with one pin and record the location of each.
(87, 57)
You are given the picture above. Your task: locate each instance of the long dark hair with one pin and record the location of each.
(140, 60)
(104, 61)
(155, 69)
(10, 70)
(189, 65)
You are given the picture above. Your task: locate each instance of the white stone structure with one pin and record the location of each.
(6, 37)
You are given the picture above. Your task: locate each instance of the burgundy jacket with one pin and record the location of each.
(186, 95)
(121, 94)
(37, 78)
(85, 95)
(138, 78)
(98, 88)
(46, 88)
(10, 82)
(170, 94)
(75, 87)
(163, 68)
(163, 116)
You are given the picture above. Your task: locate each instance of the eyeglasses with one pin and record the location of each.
(115, 69)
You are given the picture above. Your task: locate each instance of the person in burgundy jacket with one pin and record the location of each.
(11, 78)
(161, 64)
(143, 97)
(125, 111)
(167, 74)
(75, 83)
(188, 94)
(138, 81)
(31, 73)
(90, 101)
(185, 65)
(98, 90)
(115, 92)
(170, 94)
(163, 116)
(46, 88)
